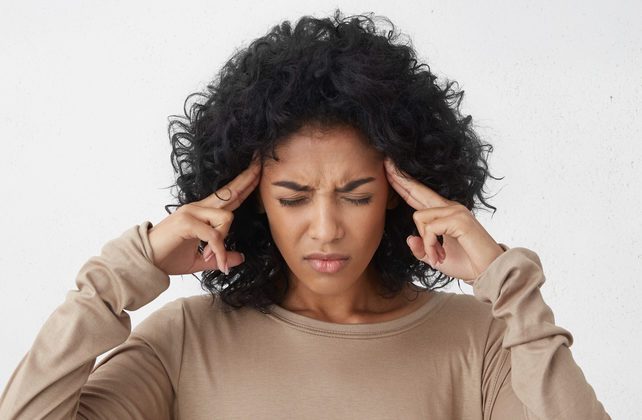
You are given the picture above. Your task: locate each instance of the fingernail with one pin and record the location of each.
(242, 257)
(408, 240)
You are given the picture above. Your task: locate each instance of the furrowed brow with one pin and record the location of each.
(346, 188)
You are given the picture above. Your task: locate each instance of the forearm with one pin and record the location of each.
(544, 375)
(91, 321)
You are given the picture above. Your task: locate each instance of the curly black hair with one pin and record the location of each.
(326, 71)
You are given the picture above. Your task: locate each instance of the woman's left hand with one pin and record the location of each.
(467, 250)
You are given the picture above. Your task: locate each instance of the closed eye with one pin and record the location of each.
(357, 202)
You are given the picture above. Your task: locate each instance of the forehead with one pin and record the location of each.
(324, 149)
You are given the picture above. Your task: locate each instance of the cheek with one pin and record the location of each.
(280, 224)
(372, 224)
(285, 224)
(373, 228)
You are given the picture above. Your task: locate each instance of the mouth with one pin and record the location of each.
(327, 265)
(323, 256)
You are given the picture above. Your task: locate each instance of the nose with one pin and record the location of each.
(325, 224)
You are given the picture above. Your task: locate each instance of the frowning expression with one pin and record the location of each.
(327, 193)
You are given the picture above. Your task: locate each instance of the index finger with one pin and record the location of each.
(232, 194)
(419, 196)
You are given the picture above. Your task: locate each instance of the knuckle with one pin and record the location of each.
(227, 216)
(463, 208)
(216, 235)
(463, 212)
(221, 216)
(183, 217)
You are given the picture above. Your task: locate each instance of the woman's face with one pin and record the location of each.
(328, 193)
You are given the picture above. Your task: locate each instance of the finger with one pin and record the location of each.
(232, 194)
(256, 157)
(441, 250)
(214, 242)
(202, 223)
(427, 216)
(428, 241)
(406, 194)
(220, 221)
(432, 246)
(416, 245)
(414, 192)
(233, 259)
(433, 224)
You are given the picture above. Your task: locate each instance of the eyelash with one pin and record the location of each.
(357, 202)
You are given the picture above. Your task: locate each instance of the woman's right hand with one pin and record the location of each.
(176, 238)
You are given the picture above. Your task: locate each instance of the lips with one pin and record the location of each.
(327, 266)
(321, 256)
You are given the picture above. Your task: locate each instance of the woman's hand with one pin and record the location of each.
(176, 238)
(467, 250)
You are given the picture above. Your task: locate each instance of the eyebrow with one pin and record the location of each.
(346, 188)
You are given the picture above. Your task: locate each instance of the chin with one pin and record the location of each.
(324, 283)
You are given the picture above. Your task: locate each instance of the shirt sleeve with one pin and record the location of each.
(51, 380)
(530, 372)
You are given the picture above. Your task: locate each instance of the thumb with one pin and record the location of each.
(416, 245)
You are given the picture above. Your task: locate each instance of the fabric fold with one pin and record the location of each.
(90, 321)
(544, 376)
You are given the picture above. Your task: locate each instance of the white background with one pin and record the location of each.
(556, 87)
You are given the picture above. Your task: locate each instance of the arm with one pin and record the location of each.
(48, 380)
(539, 377)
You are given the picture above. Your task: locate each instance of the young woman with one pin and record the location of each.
(324, 175)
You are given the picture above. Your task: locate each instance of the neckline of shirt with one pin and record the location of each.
(366, 330)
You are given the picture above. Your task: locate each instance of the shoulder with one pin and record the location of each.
(156, 326)
(190, 309)
(176, 318)
(468, 315)
(466, 307)
(206, 312)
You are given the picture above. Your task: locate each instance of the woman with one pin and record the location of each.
(322, 177)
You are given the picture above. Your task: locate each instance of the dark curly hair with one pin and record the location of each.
(331, 71)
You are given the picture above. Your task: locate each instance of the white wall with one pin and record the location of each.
(86, 88)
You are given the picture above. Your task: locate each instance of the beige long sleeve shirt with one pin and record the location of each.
(495, 355)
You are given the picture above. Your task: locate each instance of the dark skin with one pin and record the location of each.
(326, 217)
(467, 250)
(327, 220)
